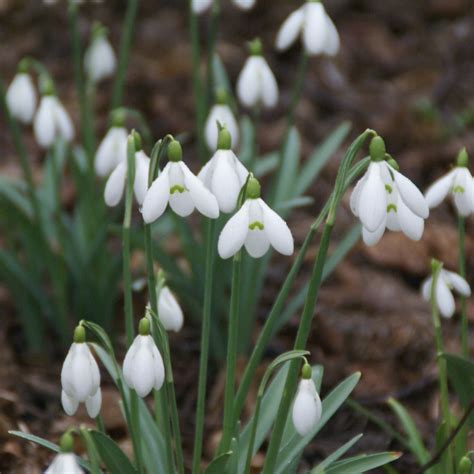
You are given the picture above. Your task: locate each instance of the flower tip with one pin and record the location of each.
(224, 140)
(175, 152)
(79, 334)
(377, 148)
(255, 47)
(306, 371)
(462, 159)
(117, 118)
(23, 66)
(66, 443)
(253, 188)
(144, 327)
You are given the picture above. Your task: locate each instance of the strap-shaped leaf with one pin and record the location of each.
(218, 464)
(362, 463)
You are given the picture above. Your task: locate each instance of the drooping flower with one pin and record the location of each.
(220, 113)
(112, 151)
(51, 120)
(169, 310)
(384, 198)
(99, 59)
(318, 33)
(65, 461)
(459, 183)
(21, 97)
(143, 367)
(446, 282)
(115, 186)
(307, 407)
(224, 175)
(200, 6)
(256, 83)
(80, 378)
(179, 187)
(256, 226)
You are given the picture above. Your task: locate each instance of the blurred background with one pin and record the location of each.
(406, 69)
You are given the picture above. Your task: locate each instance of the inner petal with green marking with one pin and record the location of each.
(391, 207)
(256, 225)
(458, 189)
(177, 188)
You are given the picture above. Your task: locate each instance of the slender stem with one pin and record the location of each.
(300, 343)
(253, 433)
(232, 340)
(441, 361)
(211, 47)
(199, 97)
(100, 423)
(135, 418)
(298, 87)
(205, 335)
(129, 23)
(462, 272)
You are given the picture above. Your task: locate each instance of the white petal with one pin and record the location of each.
(290, 29)
(81, 369)
(234, 233)
(64, 126)
(355, 196)
(156, 198)
(206, 172)
(200, 6)
(66, 372)
(21, 98)
(203, 199)
(158, 367)
(269, 86)
(69, 403)
(248, 84)
(315, 28)
(332, 41)
(111, 151)
(439, 190)
(143, 376)
(128, 362)
(169, 311)
(257, 243)
(463, 200)
(277, 230)
(372, 238)
(444, 298)
(307, 408)
(182, 203)
(411, 195)
(115, 185)
(426, 288)
(93, 404)
(410, 224)
(223, 114)
(373, 201)
(458, 283)
(225, 184)
(44, 124)
(140, 185)
(64, 463)
(244, 4)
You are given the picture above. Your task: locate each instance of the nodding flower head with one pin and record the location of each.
(169, 310)
(200, 6)
(21, 96)
(99, 59)
(112, 151)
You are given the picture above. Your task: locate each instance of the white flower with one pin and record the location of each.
(115, 186)
(257, 227)
(179, 187)
(169, 310)
(318, 32)
(52, 121)
(224, 175)
(446, 282)
(21, 98)
(221, 113)
(143, 367)
(384, 198)
(64, 463)
(80, 380)
(306, 407)
(256, 83)
(200, 6)
(459, 183)
(111, 151)
(99, 59)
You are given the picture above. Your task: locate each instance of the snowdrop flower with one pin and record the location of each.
(446, 282)
(51, 119)
(319, 35)
(307, 406)
(143, 367)
(256, 83)
(80, 377)
(99, 59)
(256, 226)
(200, 6)
(169, 310)
(384, 198)
(459, 183)
(224, 175)
(115, 186)
(179, 187)
(21, 96)
(220, 113)
(65, 462)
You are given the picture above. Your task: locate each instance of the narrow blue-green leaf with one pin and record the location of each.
(247, 132)
(362, 463)
(294, 202)
(265, 164)
(13, 191)
(218, 465)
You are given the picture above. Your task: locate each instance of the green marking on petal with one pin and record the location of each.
(388, 188)
(458, 189)
(177, 188)
(391, 207)
(256, 225)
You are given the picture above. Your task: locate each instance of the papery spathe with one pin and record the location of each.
(21, 98)
(112, 151)
(64, 463)
(220, 113)
(307, 407)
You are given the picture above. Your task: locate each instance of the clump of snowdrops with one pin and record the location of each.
(243, 220)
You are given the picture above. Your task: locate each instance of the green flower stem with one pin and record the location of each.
(99, 421)
(298, 88)
(205, 335)
(441, 361)
(135, 419)
(310, 303)
(211, 47)
(199, 97)
(232, 340)
(271, 322)
(462, 272)
(84, 104)
(129, 24)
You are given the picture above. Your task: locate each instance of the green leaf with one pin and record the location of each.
(294, 202)
(247, 139)
(266, 164)
(321, 155)
(362, 463)
(112, 456)
(218, 464)
(13, 192)
(320, 468)
(100, 334)
(414, 438)
(92, 453)
(47, 444)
